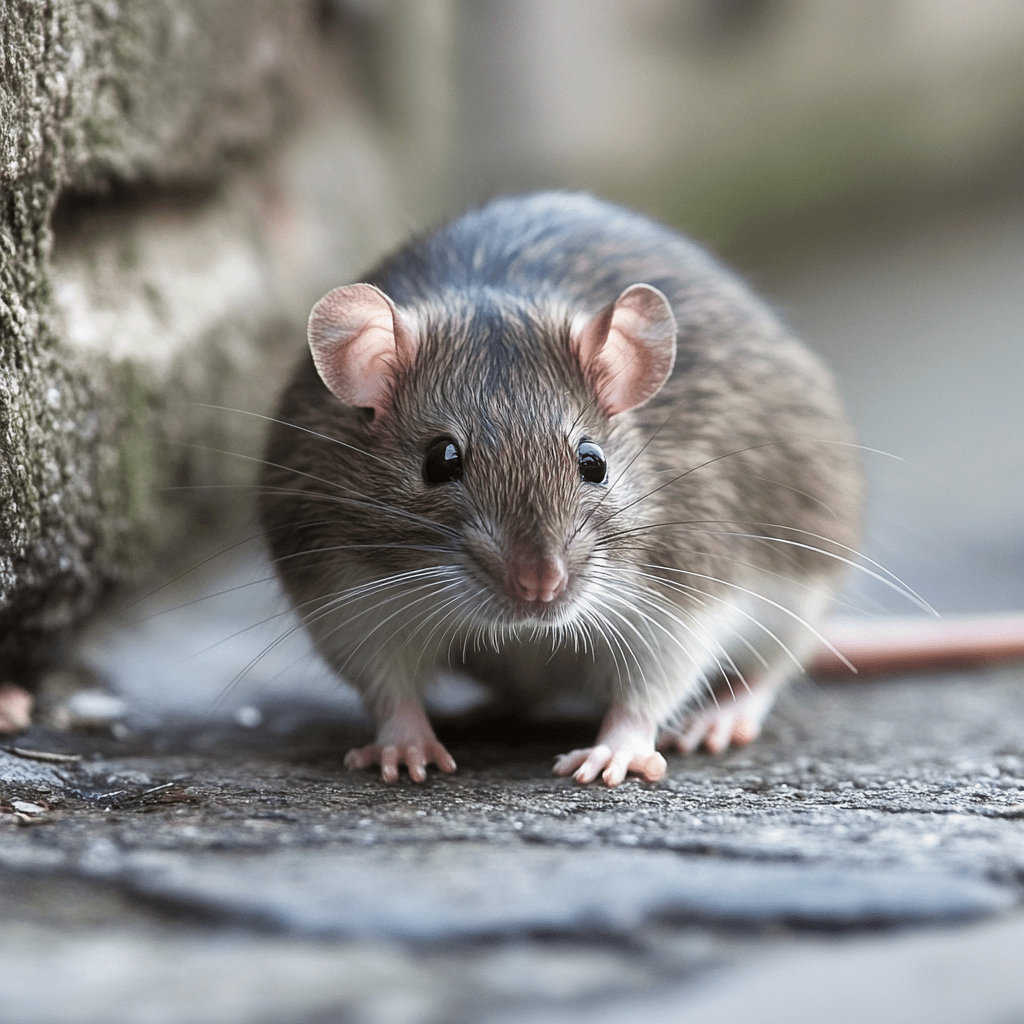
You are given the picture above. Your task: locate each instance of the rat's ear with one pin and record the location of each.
(628, 349)
(359, 338)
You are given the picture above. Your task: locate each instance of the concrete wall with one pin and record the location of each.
(179, 181)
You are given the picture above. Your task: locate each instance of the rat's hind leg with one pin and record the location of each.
(735, 717)
(765, 658)
(404, 736)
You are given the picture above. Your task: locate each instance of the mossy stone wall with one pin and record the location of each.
(161, 115)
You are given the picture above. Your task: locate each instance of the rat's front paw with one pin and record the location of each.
(415, 756)
(625, 745)
(613, 765)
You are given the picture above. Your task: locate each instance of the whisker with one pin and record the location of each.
(625, 470)
(600, 623)
(689, 590)
(698, 597)
(452, 625)
(403, 609)
(710, 645)
(641, 595)
(326, 606)
(889, 579)
(193, 568)
(609, 607)
(787, 487)
(740, 451)
(460, 600)
(323, 609)
(360, 499)
(590, 405)
(787, 578)
(775, 604)
(280, 571)
(295, 426)
(417, 616)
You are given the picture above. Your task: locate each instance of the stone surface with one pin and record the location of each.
(110, 976)
(936, 978)
(449, 891)
(25, 775)
(213, 866)
(180, 182)
(219, 873)
(93, 92)
(118, 978)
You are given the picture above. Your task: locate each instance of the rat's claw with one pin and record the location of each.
(391, 756)
(649, 766)
(583, 765)
(616, 770)
(416, 763)
(389, 763)
(566, 764)
(362, 757)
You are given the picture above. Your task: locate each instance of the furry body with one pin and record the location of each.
(712, 548)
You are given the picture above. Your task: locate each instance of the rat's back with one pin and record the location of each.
(560, 245)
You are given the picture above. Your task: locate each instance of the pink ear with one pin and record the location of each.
(628, 349)
(358, 338)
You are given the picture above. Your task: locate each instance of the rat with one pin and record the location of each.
(556, 445)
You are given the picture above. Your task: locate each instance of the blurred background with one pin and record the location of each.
(860, 163)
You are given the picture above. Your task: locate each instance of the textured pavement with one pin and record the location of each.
(876, 825)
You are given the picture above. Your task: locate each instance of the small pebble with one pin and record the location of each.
(27, 808)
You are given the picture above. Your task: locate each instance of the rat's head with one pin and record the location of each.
(506, 434)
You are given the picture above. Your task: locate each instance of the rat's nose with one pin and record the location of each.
(537, 578)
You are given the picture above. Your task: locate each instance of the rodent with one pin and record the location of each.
(556, 445)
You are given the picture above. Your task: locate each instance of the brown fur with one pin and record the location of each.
(746, 442)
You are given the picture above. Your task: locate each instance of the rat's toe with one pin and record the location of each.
(650, 768)
(392, 756)
(745, 731)
(566, 764)
(15, 708)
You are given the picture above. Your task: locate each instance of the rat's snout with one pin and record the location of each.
(537, 578)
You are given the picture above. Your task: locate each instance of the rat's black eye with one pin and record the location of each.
(443, 462)
(593, 467)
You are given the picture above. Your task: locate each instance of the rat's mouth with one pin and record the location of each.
(502, 605)
(523, 618)
(543, 614)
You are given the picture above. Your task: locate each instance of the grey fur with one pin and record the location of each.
(740, 475)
